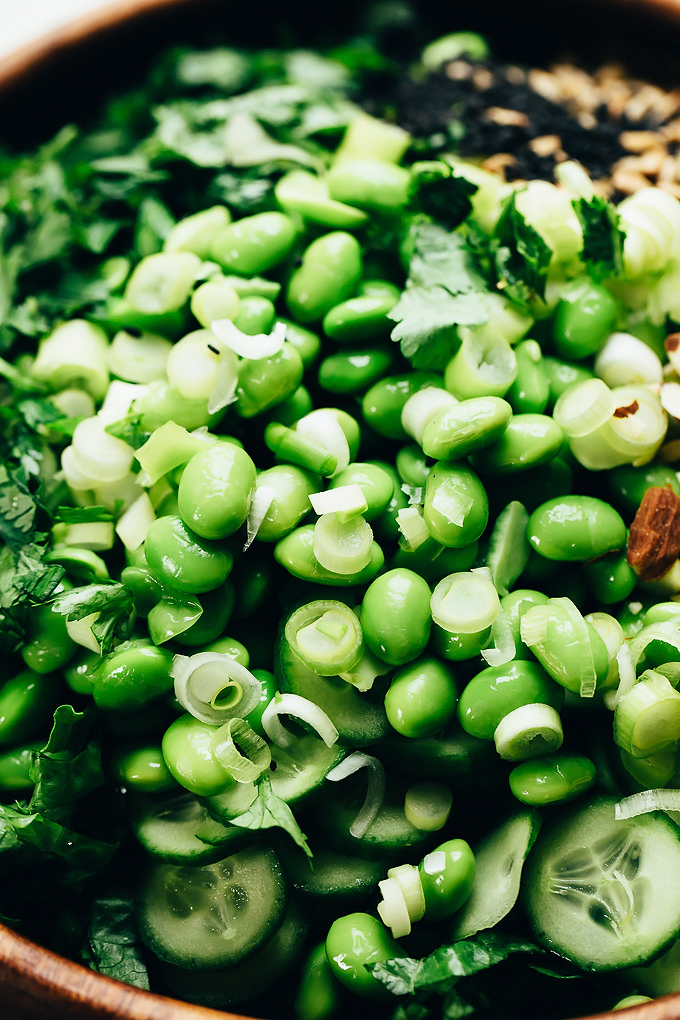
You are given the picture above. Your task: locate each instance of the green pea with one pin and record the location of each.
(26, 703)
(629, 484)
(553, 779)
(374, 481)
(15, 766)
(317, 997)
(294, 407)
(456, 508)
(330, 271)
(561, 375)
(183, 560)
(499, 690)
(80, 674)
(146, 589)
(162, 403)
(217, 606)
(369, 184)
(447, 874)
(269, 689)
(411, 464)
(216, 490)
(254, 244)
(611, 578)
(575, 528)
(50, 647)
(353, 372)
(515, 606)
(306, 343)
(421, 699)
(292, 488)
(459, 647)
(188, 754)
(528, 441)
(255, 315)
(465, 427)
(433, 561)
(564, 644)
(295, 552)
(361, 317)
(530, 391)
(395, 616)
(131, 676)
(384, 402)
(584, 318)
(265, 382)
(144, 769)
(352, 942)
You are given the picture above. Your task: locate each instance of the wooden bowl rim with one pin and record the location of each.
(39, 969)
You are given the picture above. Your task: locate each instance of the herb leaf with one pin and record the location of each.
(83, 514)
(112, 602)
(522, 258)
(436, 192)
(114, 941)
(269, 811)
(602, 237)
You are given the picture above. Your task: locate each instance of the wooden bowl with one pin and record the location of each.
(76, 67)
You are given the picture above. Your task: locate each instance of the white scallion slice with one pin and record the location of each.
(213, 687)
(323, 429)
(241, 751)
(262, 499)
(345, 500)
(645, 801)
(393, 909)
(119, 496)
(139, 359)
(363, 675)
(509, 548)
(224, 391)
(135, 522)
(375, 792)
(533, 625)
(627, 676)
(97, 536)
(528, 732)
(97, 454)
(666, 632)
(422, 407)
(80, 631)
(74, 403)
(193, 364)
(119, 399)
(411, 524)
(196, 233)
(343, 547)
(502, 648)
(574, 178)
(408, 878)
(587, 672)
(669, 395)
(299, 708)
(624, 360)
(427, 806)
(416, 495)
(449, 501)
(75, 353)
(611, 632)
(638, 425)
(647, 719)
(326, 635)
(584, 407)
(76, 477)
(464, 603)
(253, 347)
(162, 282)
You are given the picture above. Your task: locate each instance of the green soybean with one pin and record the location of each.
(330, 270)
(530, 391)
(456, 508)
(266, 382)
(255, 315)
(585, 316)
(15, 767)
(611, 578)
(295, 552)
(421, 699)
(395, 616)
(361, 317)
(447, 874)
(183, 560)
(161, 403)
(411, 464)
(216, 490)
(131, 676)
(498, 690)
(467, 426)
(369, 184)
(26, 703)
(573, 528)
(217, 607)
(553, 779)
(629, 484)
(515, 606)
(50, 647)
(561, 375)
(294, 407)
(291, 488)
(384, 402)
(144, 769)
(459, 647)
(376, 484)
(306, 343)
(354, 941)
(433, 561)
(528, 441)
(188, 754)
(254, 244)
(146, 589)
(353, 372)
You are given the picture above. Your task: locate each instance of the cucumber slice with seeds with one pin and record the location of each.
(212, 916)
(178, 829)
(605, 893)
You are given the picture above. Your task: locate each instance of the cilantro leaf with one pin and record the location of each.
(522, 257)
(129, 430)
(602, 237)
(114, 605)
(114, 940)
(268, 811)
(438, 193)
(429, 315)
(83, 514)
(66, 768)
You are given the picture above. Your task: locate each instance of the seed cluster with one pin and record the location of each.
(625, 132)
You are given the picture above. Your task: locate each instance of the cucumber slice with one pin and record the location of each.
(212, 916)
(456, 756)
(606, 893)
(178, 829)
(661, 977)
(389, 837)
(499, 860)
(232, 802)
(356, 718)
(303, 767)
(334, 877)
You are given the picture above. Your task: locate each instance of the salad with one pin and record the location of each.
(339, 581)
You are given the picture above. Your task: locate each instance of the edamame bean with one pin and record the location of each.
(216, 490)
(217, 606)
(432, 561)
(575, 528)
(15, 766)
(353, 373)
(530, 392)
(528, 441)
(629, 484)
(162, 282)
(515, 606)
(395, 616)
(306, 343)
(295, 552)
(183, 560)
(213, 300)
(317, 997)
(146, 589)
(364, 316)
(384, 402)
(369, 184)
(269, 690)
(456, 508)
(566, 645)
(252, 580)
(196, 233)
(291, 488)
(447, 874)
(162, 403)
(330, 271)
(294, 407)
(26, 703)
(551, 780)
(585, 316)
(50, 647)
(412, 466)
(265, 382)
(611, 578)
(561, 375)
(375, 483)
(255, 315)
(497, 691)
(131, 676)
(302, 192)
(254, 244)
(460, 430)
(188, 754)
(144, 769)
(458, 647)
(80, 674)
(421, 699)
(352, 942)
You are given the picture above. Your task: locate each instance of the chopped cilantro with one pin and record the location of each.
(602, 237)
